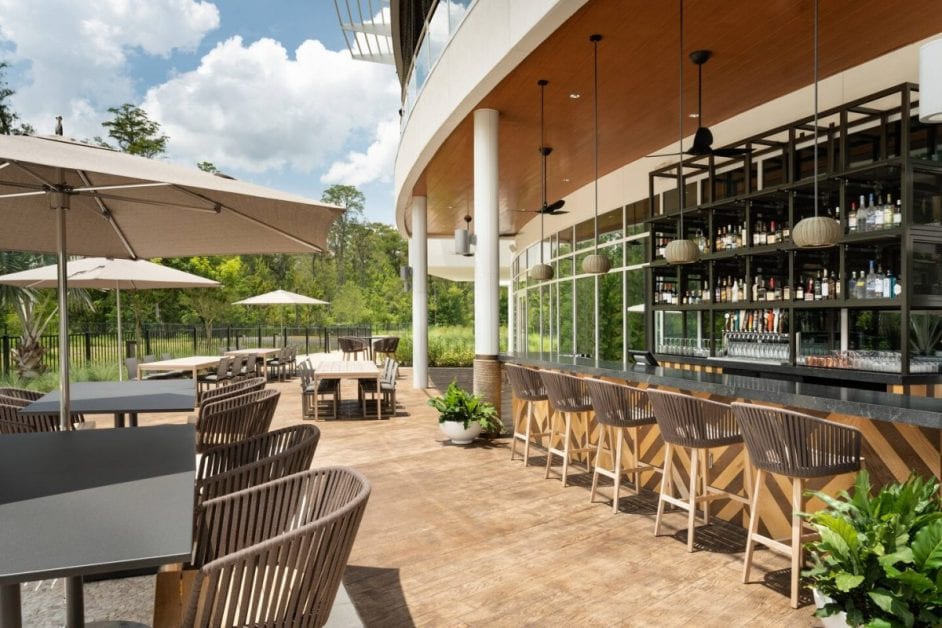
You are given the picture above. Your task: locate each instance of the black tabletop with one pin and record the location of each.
(172, 395)
(90, 501)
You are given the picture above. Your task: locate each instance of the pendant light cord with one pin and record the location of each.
(816, 108)
(595, 103)
(680, 124)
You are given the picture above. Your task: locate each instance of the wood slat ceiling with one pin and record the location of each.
(761, 50)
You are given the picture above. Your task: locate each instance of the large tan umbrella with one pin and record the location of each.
(120, 205)
(108, 273)
(281, 297)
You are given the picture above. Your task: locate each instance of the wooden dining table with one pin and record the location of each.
(350, 369)
(194, 364)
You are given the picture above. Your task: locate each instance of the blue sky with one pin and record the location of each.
(265, 90)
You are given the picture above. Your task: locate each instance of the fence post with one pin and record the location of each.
(307, 339)
(6, 354)
(229, 338)
(88, 347)
(193, 332)
(259, 336)
(147, 350)
(130, 348)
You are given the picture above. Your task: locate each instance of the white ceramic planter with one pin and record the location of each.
(834, 621)
(456, 432)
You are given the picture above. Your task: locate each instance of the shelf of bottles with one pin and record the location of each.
(754, 296)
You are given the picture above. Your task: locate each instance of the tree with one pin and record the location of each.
(134, 132)
(9, 119)
(207, 166)
(352, 200)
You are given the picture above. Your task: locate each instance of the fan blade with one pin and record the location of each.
(666, 155)
(731, 152)
(557, 212)
(554, 206)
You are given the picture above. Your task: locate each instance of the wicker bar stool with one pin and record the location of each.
(566, 394)
(698, 425)
(527, 386)
(618, 409)
(799, 447)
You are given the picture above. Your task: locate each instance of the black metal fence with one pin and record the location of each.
(99, 345)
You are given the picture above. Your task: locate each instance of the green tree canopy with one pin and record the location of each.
(134, 131)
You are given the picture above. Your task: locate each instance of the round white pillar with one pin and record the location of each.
(419, 252)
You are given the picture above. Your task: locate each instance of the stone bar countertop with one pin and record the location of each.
(879, 406)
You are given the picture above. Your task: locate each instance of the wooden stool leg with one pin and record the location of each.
(705, 472)
(692, 496)
(526, 443)
(636, 459)
(549, 444)
(753, 526)
(616, 488)
(595, 471)
(566, 442)
(665, 488)
(797, 550)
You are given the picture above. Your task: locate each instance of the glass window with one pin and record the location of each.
(585, 316)
(457, 9)
(927, 269)
(611, 314)
(564, 327)
(535, 320)
(564, 242)
(438, 32)
(610, 226)
(422, 64)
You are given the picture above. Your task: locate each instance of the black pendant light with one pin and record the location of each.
(681, 250)
(595, 263)
(542, 271)
(816, 232)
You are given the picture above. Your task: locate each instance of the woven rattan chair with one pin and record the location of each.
(246, 385)
(21, 393)
(315, 390)
(386, 347)
(698, 425)
(527, 386)
(352, 347)
(798, 447)
(281, 566)
(237, 466)
(619, 409)
(12, 422)
(566, 394)
(235, 418)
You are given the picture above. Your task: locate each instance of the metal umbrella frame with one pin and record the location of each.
(122, 205)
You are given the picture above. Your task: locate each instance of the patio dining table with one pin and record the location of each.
(194, 364)
(92, 501)
(350, 369)
(263, 353)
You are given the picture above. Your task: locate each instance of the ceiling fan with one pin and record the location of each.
(554, 208)
(703, 138)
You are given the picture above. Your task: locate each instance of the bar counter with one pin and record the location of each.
(901, 433)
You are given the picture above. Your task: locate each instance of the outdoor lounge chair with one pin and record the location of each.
(235, 418)
(218, 378)
(352, 347)
(284, 566)
(21, 393)
(12, 422)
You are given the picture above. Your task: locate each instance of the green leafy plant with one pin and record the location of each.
(466, 408)
(879, 557)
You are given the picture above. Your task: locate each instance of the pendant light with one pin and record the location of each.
(595, 263)
(930, 82)
(681, 251)
(542, 271)
(816, 232)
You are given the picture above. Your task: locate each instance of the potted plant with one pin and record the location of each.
(878, 561)
(462, 415)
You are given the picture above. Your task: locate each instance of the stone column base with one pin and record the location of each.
(487, 376)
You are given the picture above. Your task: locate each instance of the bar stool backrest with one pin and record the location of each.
(689, 421)
(566, 393)
(525, 383)
(795, 444)
(619, 405)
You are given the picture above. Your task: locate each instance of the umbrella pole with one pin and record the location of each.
(59, 202)
(120, 342)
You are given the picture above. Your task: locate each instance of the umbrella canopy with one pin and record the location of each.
(121, 205)
(107, 273)
(280, 297)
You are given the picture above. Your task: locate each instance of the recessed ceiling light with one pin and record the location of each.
(693, 115)
(566, 180)
(575, 95)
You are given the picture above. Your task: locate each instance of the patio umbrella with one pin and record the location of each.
(108, 273)
(281, 297)
(122, 205)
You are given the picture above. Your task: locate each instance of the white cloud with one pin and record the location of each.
(376, 164)
(78, 52)
(254, 108)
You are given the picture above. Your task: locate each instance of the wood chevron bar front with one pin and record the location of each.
(900, 433)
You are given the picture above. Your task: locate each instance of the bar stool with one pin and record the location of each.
(527, 386)
(698, 425)
(567, 394)
(618, 409)
(798, 447)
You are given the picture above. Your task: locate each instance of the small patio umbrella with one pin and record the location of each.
(122, 205)
(107, 273)
(281, 297)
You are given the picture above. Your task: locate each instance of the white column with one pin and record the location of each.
(486, 254)
(419, 250)
(511, 331)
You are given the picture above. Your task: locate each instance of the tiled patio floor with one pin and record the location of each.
(462, 536)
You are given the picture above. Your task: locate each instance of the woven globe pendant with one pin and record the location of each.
(816, 232)
(541, 272)
(682, 252)
(596, 264)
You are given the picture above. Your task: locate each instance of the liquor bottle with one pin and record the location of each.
(825, 286)
(862, 214)
(888, 283)
(898, 213)
(809, 289)
(836, 290)
(786, 231)
(878, 283)
(757, 238)
(871, 215)
(744, 235)
(799, 291)
(786, 292)
(852, 219)
(897, 288)
(860, 288)
(852, 285)
(763, 292)
(817, 287)
(871, 286)
(888, 212)
(878, 214)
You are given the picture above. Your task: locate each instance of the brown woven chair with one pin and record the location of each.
(237, 466)
(566, 394)
(281, 566)
(352, 347)
(12, 422)
(314, 390)
(619, 409)
(386, 347)
(526, 385)
(21, 393)
(235, 418)
(698, 425)
(798, 447)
